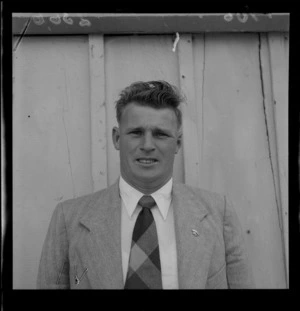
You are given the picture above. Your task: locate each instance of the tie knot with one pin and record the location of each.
(147, 201)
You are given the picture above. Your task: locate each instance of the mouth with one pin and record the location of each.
(147, 161)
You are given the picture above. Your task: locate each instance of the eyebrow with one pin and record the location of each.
(154, 129)
(139, 128)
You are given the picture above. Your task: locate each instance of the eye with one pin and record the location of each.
(136, 132)
(160, 134)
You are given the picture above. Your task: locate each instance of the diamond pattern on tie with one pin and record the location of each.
(144, 270)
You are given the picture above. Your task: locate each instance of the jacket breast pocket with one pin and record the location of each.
(218, 280)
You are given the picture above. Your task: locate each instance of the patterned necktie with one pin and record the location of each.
(144, 270)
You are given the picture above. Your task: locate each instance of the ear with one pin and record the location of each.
(116, 137)
(179, 141)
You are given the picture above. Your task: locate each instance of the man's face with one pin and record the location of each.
(148, 140)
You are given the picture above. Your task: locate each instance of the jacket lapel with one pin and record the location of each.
(194, 238)
(104, 223)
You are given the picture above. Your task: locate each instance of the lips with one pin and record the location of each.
(147, 160)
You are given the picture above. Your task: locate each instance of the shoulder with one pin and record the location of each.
(77, 207)
(214, 203)
(200, 194)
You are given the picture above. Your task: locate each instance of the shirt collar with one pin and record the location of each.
(131, 196)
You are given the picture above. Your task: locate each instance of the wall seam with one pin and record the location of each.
(202, 112)
(69, 156)
(267, 130)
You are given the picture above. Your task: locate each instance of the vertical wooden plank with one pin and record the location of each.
(235, 150)
(190, 111)
(51, 141)
(279, 58)
(98, 112)
(271, 132)
(199, 85)
(268, 110)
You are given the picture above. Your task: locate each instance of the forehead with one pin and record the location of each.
(136, 115)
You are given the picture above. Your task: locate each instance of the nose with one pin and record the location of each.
(148, 143)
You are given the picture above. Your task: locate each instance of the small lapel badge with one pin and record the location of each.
(77, 281)
(195, 232)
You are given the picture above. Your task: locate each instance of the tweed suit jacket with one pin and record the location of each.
(82, 249)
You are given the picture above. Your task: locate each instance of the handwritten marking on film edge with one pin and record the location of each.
(228, 17)
(242, 17)
(38, 19)
(68, 20)
(254, 17)
(84, 22)
(55, 19)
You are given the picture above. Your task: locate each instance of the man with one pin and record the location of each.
(145, 231)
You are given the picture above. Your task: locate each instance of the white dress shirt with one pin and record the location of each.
(164, 220)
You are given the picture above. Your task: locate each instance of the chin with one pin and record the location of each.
(147, 177)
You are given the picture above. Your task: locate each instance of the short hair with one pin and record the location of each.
(155, 94)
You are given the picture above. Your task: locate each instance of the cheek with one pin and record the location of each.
(127, 148)
(168, 151)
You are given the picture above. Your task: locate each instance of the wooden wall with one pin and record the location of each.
(235, 129)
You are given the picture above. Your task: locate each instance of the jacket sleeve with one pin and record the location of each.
(54, 264)
(238, 269)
